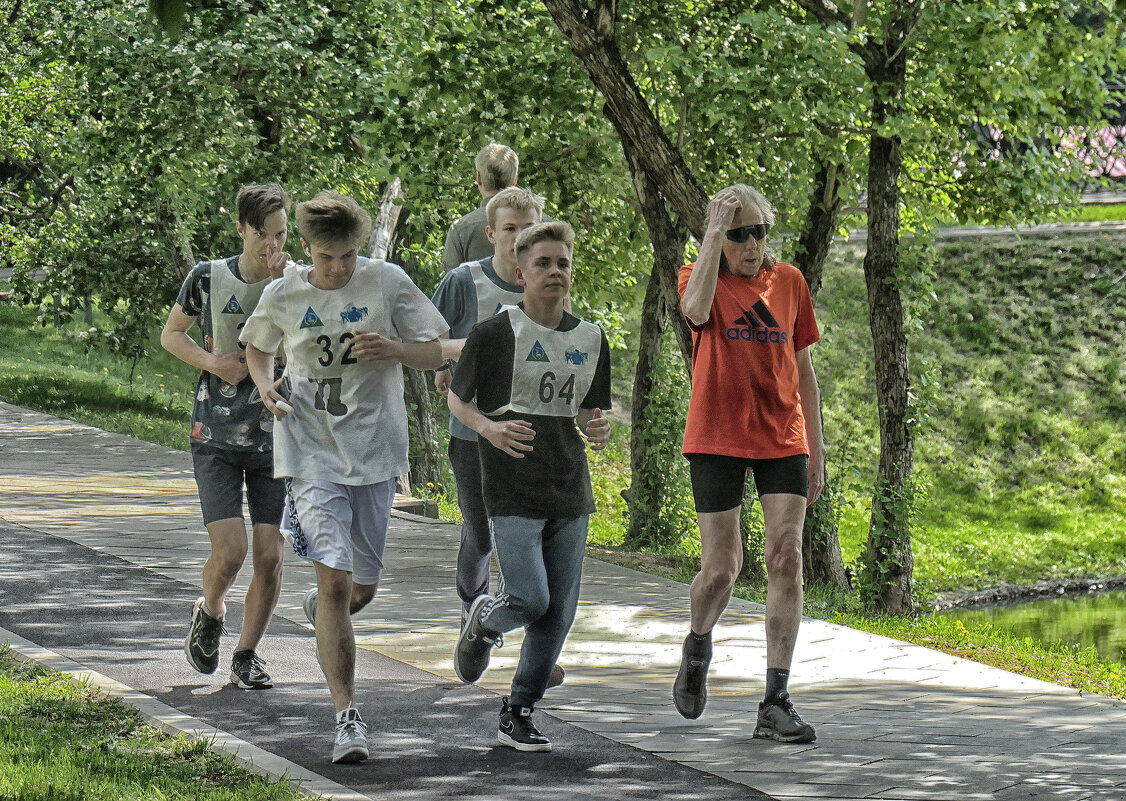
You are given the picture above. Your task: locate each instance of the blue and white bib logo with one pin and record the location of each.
(575, 356)
(311, 320)
(353, 315)
(537, 353)
(233, 307)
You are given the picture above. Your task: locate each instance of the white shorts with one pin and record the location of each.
(341, 526)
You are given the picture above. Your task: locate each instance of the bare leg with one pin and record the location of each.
(336, 640)
(228, 552)
(721, 559)
(265, 585)
(784, 516)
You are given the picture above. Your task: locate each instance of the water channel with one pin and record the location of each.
(1097, 619)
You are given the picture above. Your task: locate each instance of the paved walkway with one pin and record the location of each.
(100, 558)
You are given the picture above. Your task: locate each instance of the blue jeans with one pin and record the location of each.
(541, 567)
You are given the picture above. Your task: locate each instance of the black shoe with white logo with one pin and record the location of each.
(778, 720)
(248, 671)
(202, 643)
(518, 731)
(474, 646)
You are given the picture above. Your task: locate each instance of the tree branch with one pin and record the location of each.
(826, 12)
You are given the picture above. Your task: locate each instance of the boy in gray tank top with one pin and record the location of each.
(231, 433)
(526, 377)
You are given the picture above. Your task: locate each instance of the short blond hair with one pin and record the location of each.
(498, 166)
(332, 217)
(513, 198)
(555, 231)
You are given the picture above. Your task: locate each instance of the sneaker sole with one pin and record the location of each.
(475, 609)
(504, 739)
(353, 755)
(235, 680)
(761, 733)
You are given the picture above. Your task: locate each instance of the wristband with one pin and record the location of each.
(449, 365)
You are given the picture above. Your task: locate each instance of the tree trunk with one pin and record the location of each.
(590, 33)
(889, 558)
(420, 408)
(668, 238)
(821, 548)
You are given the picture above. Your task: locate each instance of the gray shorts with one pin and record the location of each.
(340, 525)
(221, 474)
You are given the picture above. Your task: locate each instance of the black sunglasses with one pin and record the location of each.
(740, 235)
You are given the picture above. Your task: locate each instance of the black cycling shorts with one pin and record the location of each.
(719, 482)
(220, 475)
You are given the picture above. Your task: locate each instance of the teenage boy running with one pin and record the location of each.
(525, 377)
(230, 434)
(347, 324)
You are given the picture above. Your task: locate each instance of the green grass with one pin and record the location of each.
(65, 742)
(53, 371)
(1024, 455)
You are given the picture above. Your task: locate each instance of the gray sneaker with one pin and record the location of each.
(310, 605)
(778, 720)
(351, 737)
(202, 643)
(474, 646)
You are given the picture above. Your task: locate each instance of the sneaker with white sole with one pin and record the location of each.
(351, 737)
(518, 731)
(248, 671)
(202, 643)
(310, 605)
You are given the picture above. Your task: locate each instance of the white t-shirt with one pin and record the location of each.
(349, 419)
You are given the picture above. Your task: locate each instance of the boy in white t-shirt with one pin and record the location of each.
(347, 324)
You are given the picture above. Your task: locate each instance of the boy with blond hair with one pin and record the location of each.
(347, 324)
(526, 376)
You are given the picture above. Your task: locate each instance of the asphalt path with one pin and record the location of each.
(430, 738)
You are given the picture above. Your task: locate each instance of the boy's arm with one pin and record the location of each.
(261, 366)
(513, 437)
(231, 367)
(368, 346)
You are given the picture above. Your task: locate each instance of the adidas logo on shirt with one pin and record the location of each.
(757, 325)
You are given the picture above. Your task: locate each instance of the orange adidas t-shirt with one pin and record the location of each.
(745, 399)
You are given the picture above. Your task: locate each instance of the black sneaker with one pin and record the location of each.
(690, 690)
(517, 729)
(202, 643)
(778, 720)
(474, 646)
(248, 671)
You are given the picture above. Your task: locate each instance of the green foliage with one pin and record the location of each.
(668, 519)
(1023, 455)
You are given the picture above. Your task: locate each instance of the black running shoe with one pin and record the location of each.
(518, 731)
(248, 671)
(202, 643)
(778, 720)
(690, 690)
(474, 646)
